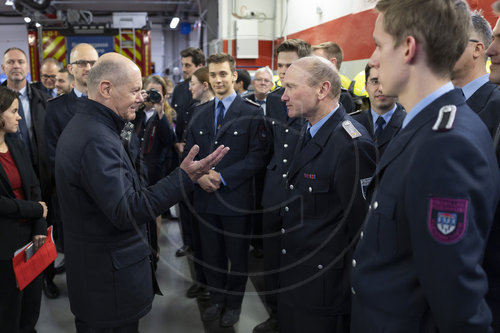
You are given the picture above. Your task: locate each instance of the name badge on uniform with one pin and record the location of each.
(447, 221)
(310, 176)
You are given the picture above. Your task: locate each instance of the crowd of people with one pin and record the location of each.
(376, 220)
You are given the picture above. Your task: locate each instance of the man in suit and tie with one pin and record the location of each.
(223, 199)
(481, 93)
(324, 203)
(483, 97)
(48, 72)
(283, 135)
(262, 84)
(385, 116)
(60, 111)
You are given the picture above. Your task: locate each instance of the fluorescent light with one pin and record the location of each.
(174, 23)
(9, 2)
(38, 25)
(27, 19)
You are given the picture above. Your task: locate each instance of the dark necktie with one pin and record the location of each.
(23, 128)
(220, 116)
(261, 102)
(380, 126)
(307, 137)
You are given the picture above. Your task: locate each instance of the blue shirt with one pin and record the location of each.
(78, 93)
(227, 103)
(387, 117)
(470, 88)
(426, 101)
(315, 128)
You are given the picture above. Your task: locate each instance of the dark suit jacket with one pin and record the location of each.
(156, 136)
(12, 210)
(410, 269)
(44, 91)
(182, 99)
(391, 129)
(325, 208)
(284, 133)
(346, 100)
(486, 103)
(244, 132)
(59, 112)
(106, 210)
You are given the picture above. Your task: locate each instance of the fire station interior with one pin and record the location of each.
(42, 28)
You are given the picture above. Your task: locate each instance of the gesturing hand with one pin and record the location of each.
(196, 169)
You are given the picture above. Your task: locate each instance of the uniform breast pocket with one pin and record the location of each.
(383, 211)
(201, 134)
(236, 139)
(315, 196)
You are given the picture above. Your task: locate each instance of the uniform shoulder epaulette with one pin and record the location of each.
(355, 112)
(249, 101)
(446, 118)
(350, 129)
(276, 91)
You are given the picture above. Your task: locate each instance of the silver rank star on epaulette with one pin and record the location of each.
(350, 129)
(446, 118)
(249, 101)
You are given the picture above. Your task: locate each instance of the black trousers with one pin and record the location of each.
(197, 256)
(225, 243)
(19, 310)
(185, 221)
(83, 327)
(271, 227)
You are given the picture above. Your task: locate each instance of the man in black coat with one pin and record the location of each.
(59, 111)
(182, 100)
(223, 199)
(324, 203)
(283, 134)
(48, 72)
(417, 266)
(105, 207)
(385, 116)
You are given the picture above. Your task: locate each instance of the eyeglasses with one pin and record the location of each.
(263, 80)
(473, 40)
(84, 63)
(46, 76)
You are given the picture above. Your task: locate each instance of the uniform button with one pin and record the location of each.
(291, 187)
(375, 205)
(201, 132)
(285, 145)
(142, 139)
(187, 113)
(273, 122)
(285, 161)
(216, 142)
(370, 207)
(284, 175)
(282, 230)
(287, 130)
(283, 251)
(310, 189)
(353, 291)
(361, 235)
(287, 209)
(320, 267)
(353, 262)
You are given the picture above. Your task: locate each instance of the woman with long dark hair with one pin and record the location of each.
(22, 220)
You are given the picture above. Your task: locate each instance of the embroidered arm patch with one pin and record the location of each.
(447, 219)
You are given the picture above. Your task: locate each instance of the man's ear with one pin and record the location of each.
(105, 88)
(410, 49)
(324, 89)
(479, 50)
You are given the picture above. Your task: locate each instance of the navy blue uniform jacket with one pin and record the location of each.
(16, 233)
(243, 131)
(284, 133)
(182, 101)
(325, 208)
(106, 209)
(417, 265)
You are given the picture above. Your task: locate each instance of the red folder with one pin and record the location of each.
(27, 271)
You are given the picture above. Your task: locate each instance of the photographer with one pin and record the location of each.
(155, 134)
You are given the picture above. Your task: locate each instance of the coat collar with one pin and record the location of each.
(479, 99)
(392, 127)
(100, 112)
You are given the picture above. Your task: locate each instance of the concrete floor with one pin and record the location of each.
(171, 313)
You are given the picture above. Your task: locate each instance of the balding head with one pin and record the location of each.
(115, 81)
(312, 88)
(82, 49)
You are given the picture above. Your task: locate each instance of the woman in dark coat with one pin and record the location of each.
(22, 220)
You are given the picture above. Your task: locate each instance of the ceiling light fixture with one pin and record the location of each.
(174, 23)
(9, 2)
(27, 19)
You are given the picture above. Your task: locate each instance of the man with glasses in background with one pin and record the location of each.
(48, 72)
(60, 111)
